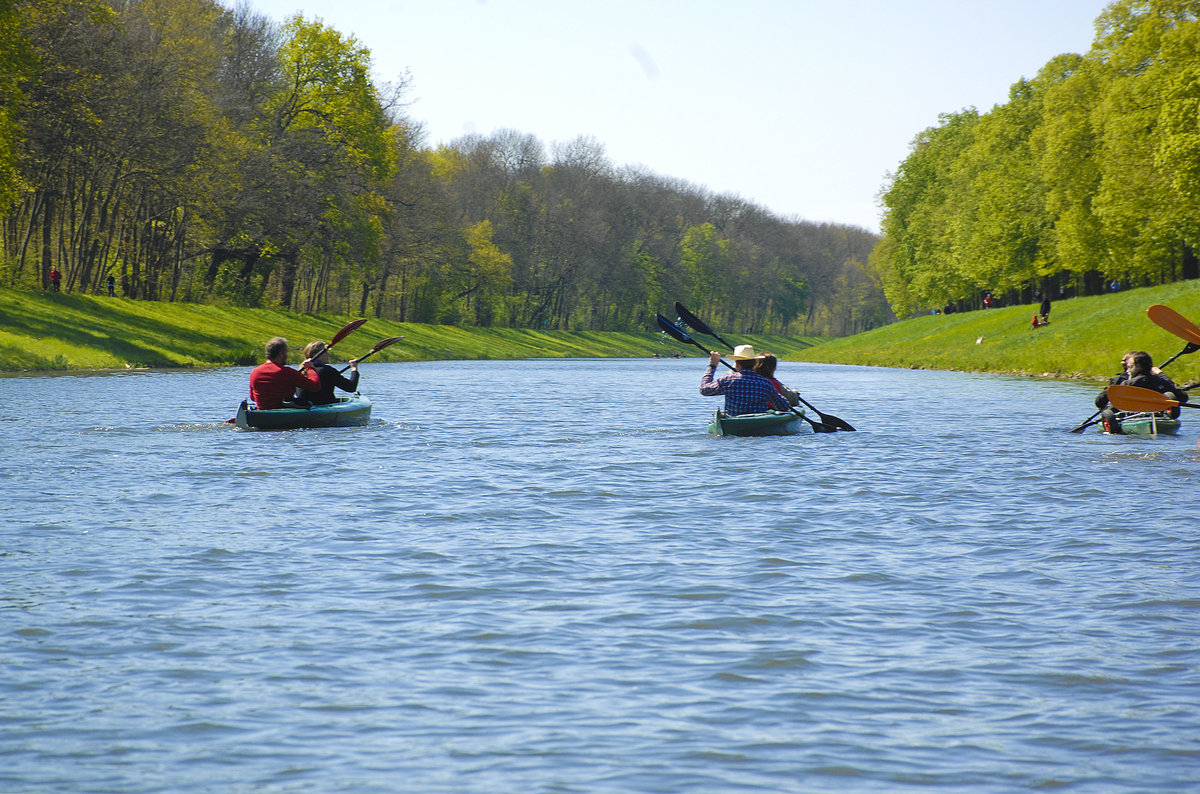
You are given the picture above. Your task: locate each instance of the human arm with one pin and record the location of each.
(777, 401)
(306, 377)
(708, 386)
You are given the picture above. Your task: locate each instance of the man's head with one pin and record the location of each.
(277, 350)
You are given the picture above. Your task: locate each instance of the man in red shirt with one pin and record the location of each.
(273, 382)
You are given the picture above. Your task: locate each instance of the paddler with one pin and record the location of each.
(1140, 371)
(746, 392)
(274, 383)
(318, 354)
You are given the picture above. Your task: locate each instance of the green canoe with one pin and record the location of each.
(772, 423)
(345, 412)
(1129, 423)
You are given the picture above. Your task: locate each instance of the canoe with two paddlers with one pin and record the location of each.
(771, 423)
(352, 411)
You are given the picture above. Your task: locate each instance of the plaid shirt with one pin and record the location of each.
(746, 392)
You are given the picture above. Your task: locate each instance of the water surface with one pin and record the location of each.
(544, 576)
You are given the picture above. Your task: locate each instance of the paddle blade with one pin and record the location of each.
(1133, 398)
(1170, 320)
(692, 320)
(347, 329)
(672, 330)
(391, 340)
(1091, 420)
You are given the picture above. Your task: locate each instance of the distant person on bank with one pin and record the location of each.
(318, 354)
(274, 383)
(746, 392)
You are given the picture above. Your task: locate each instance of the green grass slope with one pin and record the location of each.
(1085, 339)
(49, 331)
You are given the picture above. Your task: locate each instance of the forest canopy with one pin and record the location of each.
(193, 152)
(1087, 179)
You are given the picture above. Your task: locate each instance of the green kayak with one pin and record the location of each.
(772, 423)
(1130, 423)
(345, 412)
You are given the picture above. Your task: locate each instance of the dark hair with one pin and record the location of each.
(1141, 361)
(766, 365)
(276, 346)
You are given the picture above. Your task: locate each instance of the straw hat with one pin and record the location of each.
(743, 353)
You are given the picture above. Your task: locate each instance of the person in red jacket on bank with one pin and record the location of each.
(273, 383)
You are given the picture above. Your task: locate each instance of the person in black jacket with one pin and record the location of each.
(1141, 372)
(330, 377)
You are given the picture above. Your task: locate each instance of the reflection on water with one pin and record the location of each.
(545, 575)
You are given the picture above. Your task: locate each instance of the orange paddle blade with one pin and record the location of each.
(1133, 398)
(1170, 320)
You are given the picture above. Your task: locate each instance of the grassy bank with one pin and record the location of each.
(1085, 338)
(48, 331)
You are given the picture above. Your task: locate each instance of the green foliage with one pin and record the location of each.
(1086, 174)
(1084, 339)
(51, 331)
(198, 153)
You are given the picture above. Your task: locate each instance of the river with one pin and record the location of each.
(544, 576)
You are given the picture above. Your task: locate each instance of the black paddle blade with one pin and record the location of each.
(693, 320)
(1091, 420)
(674, 331)
(833, 422)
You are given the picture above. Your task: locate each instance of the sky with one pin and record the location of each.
(802, 107)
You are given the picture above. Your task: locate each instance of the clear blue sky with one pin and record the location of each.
(800, 106)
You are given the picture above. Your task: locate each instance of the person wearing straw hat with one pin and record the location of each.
(746, 392)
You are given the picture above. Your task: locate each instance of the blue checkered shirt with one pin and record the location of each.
(746, 392)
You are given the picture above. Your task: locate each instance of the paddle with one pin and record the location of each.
(829, 420)
(1091, 420)
(391, 340)
(1135, 398)
(347, 329)
(1169, 320)
(675, 332)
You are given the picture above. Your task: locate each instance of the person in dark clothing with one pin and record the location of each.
(111, 283)
(1141, 372)
(1044, 310)
(318, 352)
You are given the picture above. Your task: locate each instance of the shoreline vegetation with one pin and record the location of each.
(43, 332)
(46, 332)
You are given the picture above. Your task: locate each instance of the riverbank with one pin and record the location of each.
(62, 332)
(1085, 338)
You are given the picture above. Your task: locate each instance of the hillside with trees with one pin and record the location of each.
(1086, 180)
(198, 153)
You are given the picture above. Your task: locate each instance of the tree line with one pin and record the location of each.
(195, 152)
(1088, 175)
